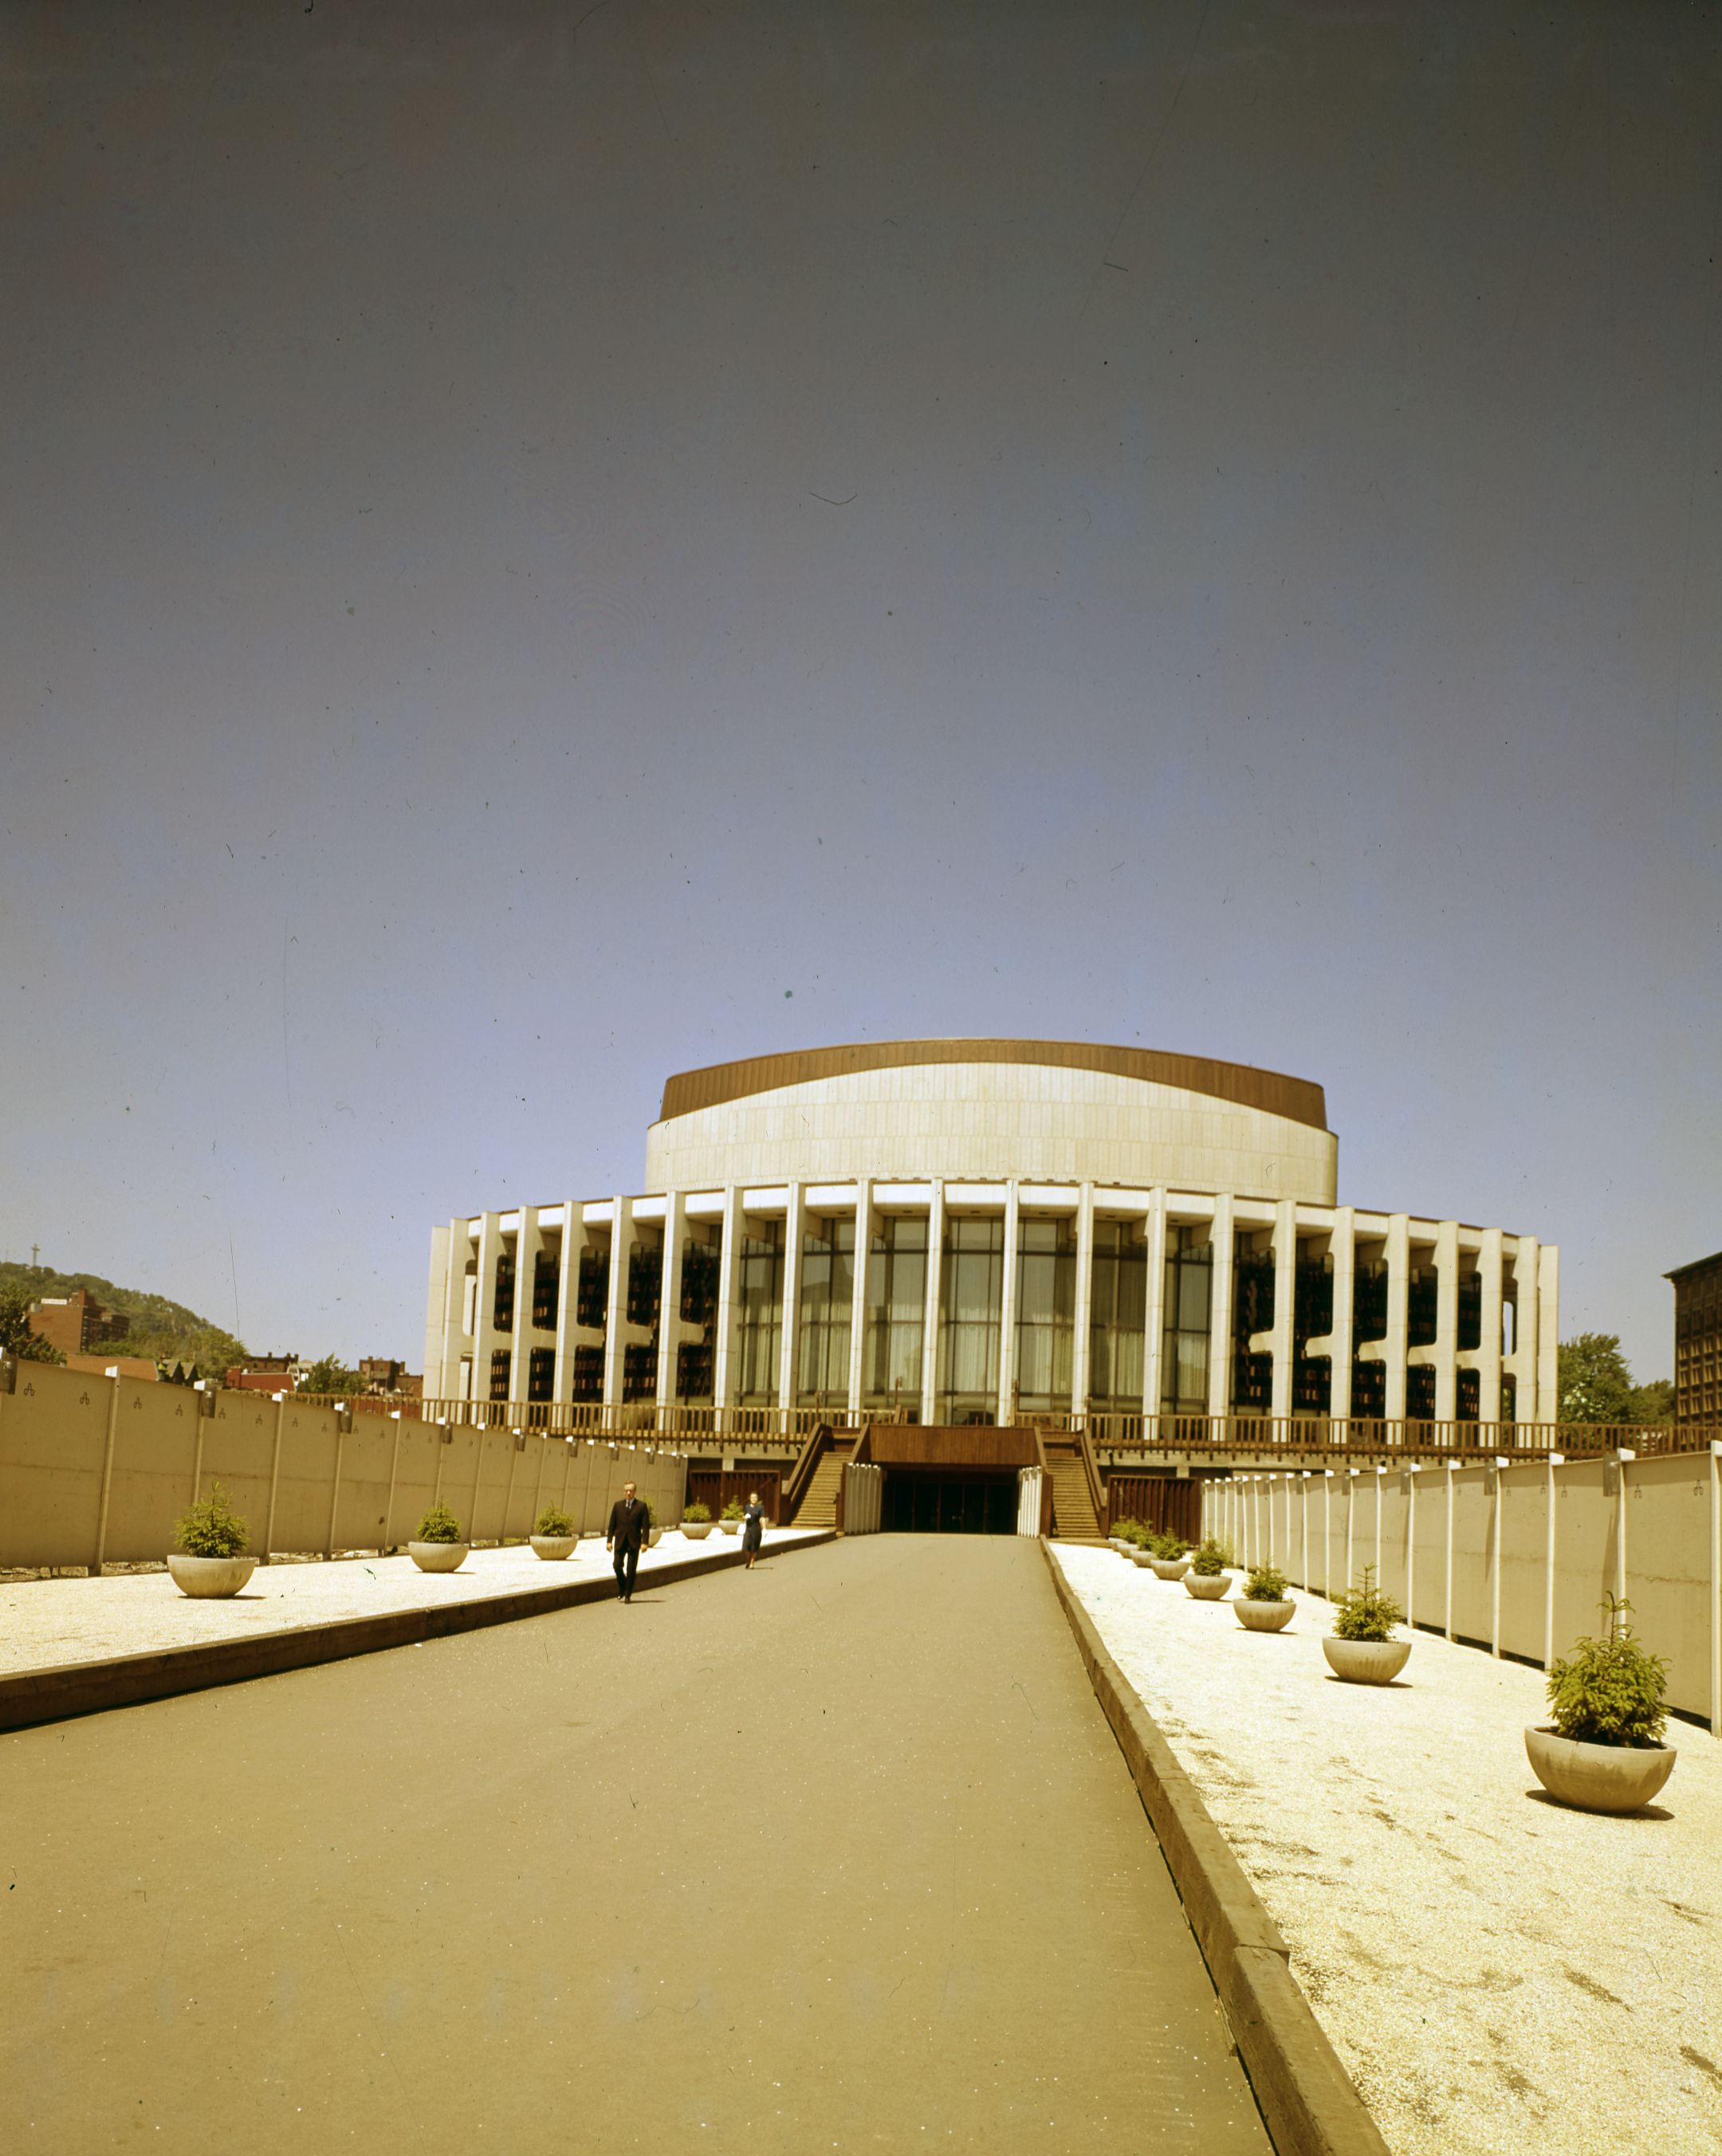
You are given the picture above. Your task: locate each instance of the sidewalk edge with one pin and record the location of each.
(31, 1697)
(1308, 2101)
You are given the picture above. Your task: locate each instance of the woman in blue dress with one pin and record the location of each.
(754, 1530)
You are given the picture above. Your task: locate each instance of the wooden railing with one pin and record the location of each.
(1360, 1435)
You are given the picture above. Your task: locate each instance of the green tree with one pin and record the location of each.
(1594, 1382)
(326, 1376)
(1652, 1403)
(16, 1337)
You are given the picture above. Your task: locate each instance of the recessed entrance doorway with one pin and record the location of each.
(935, 1504)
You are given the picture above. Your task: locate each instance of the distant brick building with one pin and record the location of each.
(75, 1323)
(1697, 1341)
(382, 1374)
(264, 1373)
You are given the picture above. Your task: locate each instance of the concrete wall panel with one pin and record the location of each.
(1524, 1552)
(1474, 1556)
(1674, 1601)
(52, 1437)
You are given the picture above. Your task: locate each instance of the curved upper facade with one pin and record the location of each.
(1038, 1111)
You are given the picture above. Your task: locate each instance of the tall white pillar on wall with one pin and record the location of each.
(790, 1360)
(729, 1259)
(1548, 1333)
(1446, 1321)
(935, 1268)
(1225, 1241)
(455, 1309)
(1342, 1246)
(1489, 1336)
(486, 1340)
(670, 1294)
(568, 1296)
(1154, 1316)
(1521, 1362)
(858, 1302)
(616, 1311)
(1398, 1341)
(1285, 1296)
(1082, 1313)
(1007, 1312)
(436, 1306)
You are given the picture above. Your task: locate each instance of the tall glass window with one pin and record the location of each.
(827, 1311)
(1045, 1315)
(760, 1284)
(1117, 1317)
(897, 1314)
(1183, 1349)
(971, 1300)
(1252, 1301)
(695, 1356)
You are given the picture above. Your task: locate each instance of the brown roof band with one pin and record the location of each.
(1297, 1099)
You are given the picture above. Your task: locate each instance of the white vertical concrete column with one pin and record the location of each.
(729, 1260)
(935, 1267)
(858, 1300)
(1085, 1300)
(486, 1340)
(616, 1307)
(1447, 1568)
(1285, 1292)
(1446, 1321)
(568, 1296)
(1007, 1314)
(1410, 1472)
(454, 1310)
(1488, 1335)
(1548, 1333)
(1715, 1465)
(1522, 1363)
(789, 1361)
(1398, 1341)
(527, 1244)
(1343, 1246)
(1219, 1310)
(1154, 1315)
(436, 1303)
(670, 1294)
(1553, 1491)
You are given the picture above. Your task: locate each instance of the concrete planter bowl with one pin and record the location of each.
(1598, 1778)
(1170, 1567)
(654, 1536)
(1208, 1589)
(1141, 1559)
(1366, 1661)
(697, 1530)
(730, 1526)
(1264, 1616)
(438, 1557)
(555, 1549)
(203, 1576)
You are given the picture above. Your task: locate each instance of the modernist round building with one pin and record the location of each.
(962, 1231)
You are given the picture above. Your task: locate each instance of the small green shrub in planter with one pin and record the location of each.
(438, 1525)
(1167, 1546)
(734, 1509)
(551, 1522)
(1610, 1690)
(1266, 1583)
(697, 1512)
(1210, 1560)
(212, 1528)
(1127, 1530)
(1365, 1613)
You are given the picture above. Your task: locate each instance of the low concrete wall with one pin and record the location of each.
(863, 1497)
(1514, 1557)
(96, 1471)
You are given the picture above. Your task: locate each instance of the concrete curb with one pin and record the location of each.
(1307, 2098)
(29, 1697)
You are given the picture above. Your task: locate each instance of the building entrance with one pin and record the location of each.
(935, 1504)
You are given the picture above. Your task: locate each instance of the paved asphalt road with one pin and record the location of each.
(837, 1855)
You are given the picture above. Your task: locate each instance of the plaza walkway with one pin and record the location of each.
(837, 1855)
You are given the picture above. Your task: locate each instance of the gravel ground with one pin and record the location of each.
(45, 1624)
(1498, 1972)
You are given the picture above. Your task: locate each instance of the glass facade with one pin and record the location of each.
(759, 1295)
(1183, 1347)
(827, 1312)
(1046, 1316)
(897, 1314)
(971, 1303)
(695, 1358)
(1118, 1317)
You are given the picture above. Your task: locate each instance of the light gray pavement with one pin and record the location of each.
(53, 1624)
(837, 1855)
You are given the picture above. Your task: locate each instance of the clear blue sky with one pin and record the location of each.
(542, 550)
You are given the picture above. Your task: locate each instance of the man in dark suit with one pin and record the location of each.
(625, 1535)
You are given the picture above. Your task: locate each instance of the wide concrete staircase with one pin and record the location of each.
(1073, 1515)
(818, 1508)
